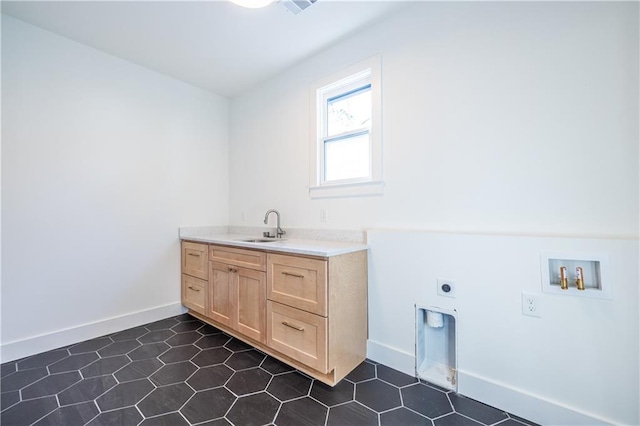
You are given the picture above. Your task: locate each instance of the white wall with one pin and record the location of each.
(102, 160)
(498, 118)
(558, 369)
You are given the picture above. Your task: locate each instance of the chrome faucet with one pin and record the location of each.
(279, 231)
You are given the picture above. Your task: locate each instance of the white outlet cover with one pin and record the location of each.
(531, 304)
(452, 284)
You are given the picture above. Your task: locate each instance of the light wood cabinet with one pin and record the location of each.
(237, 293)
(298, 281)
(307, 311)
(193, 293)
(195, 273)
(195, 260)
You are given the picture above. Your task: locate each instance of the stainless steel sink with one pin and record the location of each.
(262, 240)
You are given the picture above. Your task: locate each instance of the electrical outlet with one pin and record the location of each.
(324, 215)
(446, 287)
(531, 305)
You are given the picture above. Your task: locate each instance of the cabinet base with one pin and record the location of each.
(331, 378)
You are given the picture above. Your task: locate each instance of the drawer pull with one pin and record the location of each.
(194, 254)
(233, 270)
(293, 275)
(295, 327)
(193, 288)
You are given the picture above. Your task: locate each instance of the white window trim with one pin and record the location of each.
(371, 186)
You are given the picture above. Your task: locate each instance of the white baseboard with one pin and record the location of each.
(391, 357)
(487, 391)
(33, 345)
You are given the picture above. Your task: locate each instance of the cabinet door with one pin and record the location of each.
(193, 293)
(221, 293)
(194, 259)
(250, 308)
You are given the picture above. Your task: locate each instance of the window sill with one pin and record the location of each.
(359, 189)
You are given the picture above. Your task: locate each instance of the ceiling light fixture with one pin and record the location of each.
(252, 4)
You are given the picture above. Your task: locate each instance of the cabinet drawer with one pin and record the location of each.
(239, 257)
(298, 282)
(194, 260)
(298, 334)
(193, 293)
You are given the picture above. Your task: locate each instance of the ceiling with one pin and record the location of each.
(215, 45)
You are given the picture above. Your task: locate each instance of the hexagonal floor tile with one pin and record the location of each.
(257, 409)
(8, 368)
(425, 400)
(164, 324)
(274, 366)
(90, 345)
(20, 379)
(207, 405)
(86, 390)
(43, 359)
(351, 413)
(171, 419)
(105, 366)
(7, 399)
(173, 373)
(245, 359)
(403, 416)
(138, 370)
(211, 357)
(455, 419)
(394, 377)
(51, 385)
(130, 334)
(73, 362)
(210, 377)
(209, 329)
(378, 395)
(118, 348)
(212, 341)
(186, 338)
(148, 350)
(165, 399)
(125, 395)
(77, 414)
(180, 353)
(476, 410)
(124, 416)
(303, 411)
(237, 345)
(342, 392)
(27, 412)
(156, 336)
(289, 386)
(364, 371)
(248, 381)
(186, 326)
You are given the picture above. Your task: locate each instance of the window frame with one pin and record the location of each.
(348, 79)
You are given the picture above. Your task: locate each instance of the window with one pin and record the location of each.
(345, 140)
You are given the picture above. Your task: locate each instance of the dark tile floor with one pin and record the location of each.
(180, 371)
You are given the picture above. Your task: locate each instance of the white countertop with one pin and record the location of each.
(294, 246)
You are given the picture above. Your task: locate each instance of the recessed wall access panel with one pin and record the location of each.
(436, 342)
(575, 274)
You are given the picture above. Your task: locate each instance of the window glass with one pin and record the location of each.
(349, 111)
(347, 158)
